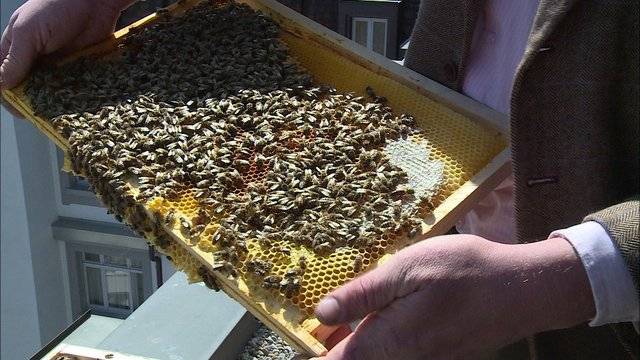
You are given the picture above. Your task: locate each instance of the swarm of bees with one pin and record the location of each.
(231, 105)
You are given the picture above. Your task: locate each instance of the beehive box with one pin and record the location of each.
(458, 132)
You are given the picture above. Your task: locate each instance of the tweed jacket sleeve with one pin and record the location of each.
(622, 222)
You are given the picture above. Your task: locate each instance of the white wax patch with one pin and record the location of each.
(425, 175)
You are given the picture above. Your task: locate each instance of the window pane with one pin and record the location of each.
(92, 257)
(360, 33)
(379, 36)
(115, 260)
(118, 288)
(137, 278)
(94, 286)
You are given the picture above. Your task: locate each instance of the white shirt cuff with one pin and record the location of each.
(614, 294)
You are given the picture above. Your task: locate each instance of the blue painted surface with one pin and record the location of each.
(179, 321)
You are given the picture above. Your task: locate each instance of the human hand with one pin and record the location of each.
(458, 297)
(41, 27)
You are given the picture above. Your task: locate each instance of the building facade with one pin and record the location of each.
(380, 25)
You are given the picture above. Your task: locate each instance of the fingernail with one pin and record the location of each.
(328, 310)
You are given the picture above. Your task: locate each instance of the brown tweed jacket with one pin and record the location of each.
(575, 130)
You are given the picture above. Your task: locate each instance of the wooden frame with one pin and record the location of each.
(308, 335)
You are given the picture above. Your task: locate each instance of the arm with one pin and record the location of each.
(41, 27)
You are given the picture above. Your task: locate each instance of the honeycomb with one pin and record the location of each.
(322, 273)
(463, 146)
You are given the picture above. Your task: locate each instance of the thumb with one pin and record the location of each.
(17, 63)
(367, 293)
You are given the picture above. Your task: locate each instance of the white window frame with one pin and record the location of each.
(78, 290)
(102, 266)
(370, 22)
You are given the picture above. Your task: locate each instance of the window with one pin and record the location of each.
(109, 280)
(113, 283)
(371, 33)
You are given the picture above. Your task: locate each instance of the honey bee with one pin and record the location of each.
(413, 232)
(185, 226)
(293, 272)
(272, 282)
(194, 233)
(208, 278)
(285, 250)
(290, 286)
(323, 248)
(357, 264)
(302, 262)
(230, 269)
(259, 267)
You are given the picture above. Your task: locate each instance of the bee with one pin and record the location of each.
(202, 217)
(185, 226)
(414, 232)
(203, 183)
(241, 245)
(370, 92)
(302, 262)
(208, 278)
(323, 248)
(241, 165)
(259, 267)
(290, 286)
(285, 250)
(168, 217)
(272, 282)
(357, 264)
(293, 272)
(194, 233)
(229, 269)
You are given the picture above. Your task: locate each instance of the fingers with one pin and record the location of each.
(95, 31)
(5, 42)
(365, 294)
(18, 60)
(337, 336)
(373, 339)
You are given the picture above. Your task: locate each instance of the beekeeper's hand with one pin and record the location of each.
(41, 27)
(457, 297)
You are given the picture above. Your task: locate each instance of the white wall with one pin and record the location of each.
(34, 306)
(20, 329)
(40, 204)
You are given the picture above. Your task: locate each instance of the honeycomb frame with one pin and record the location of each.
(473, 165)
